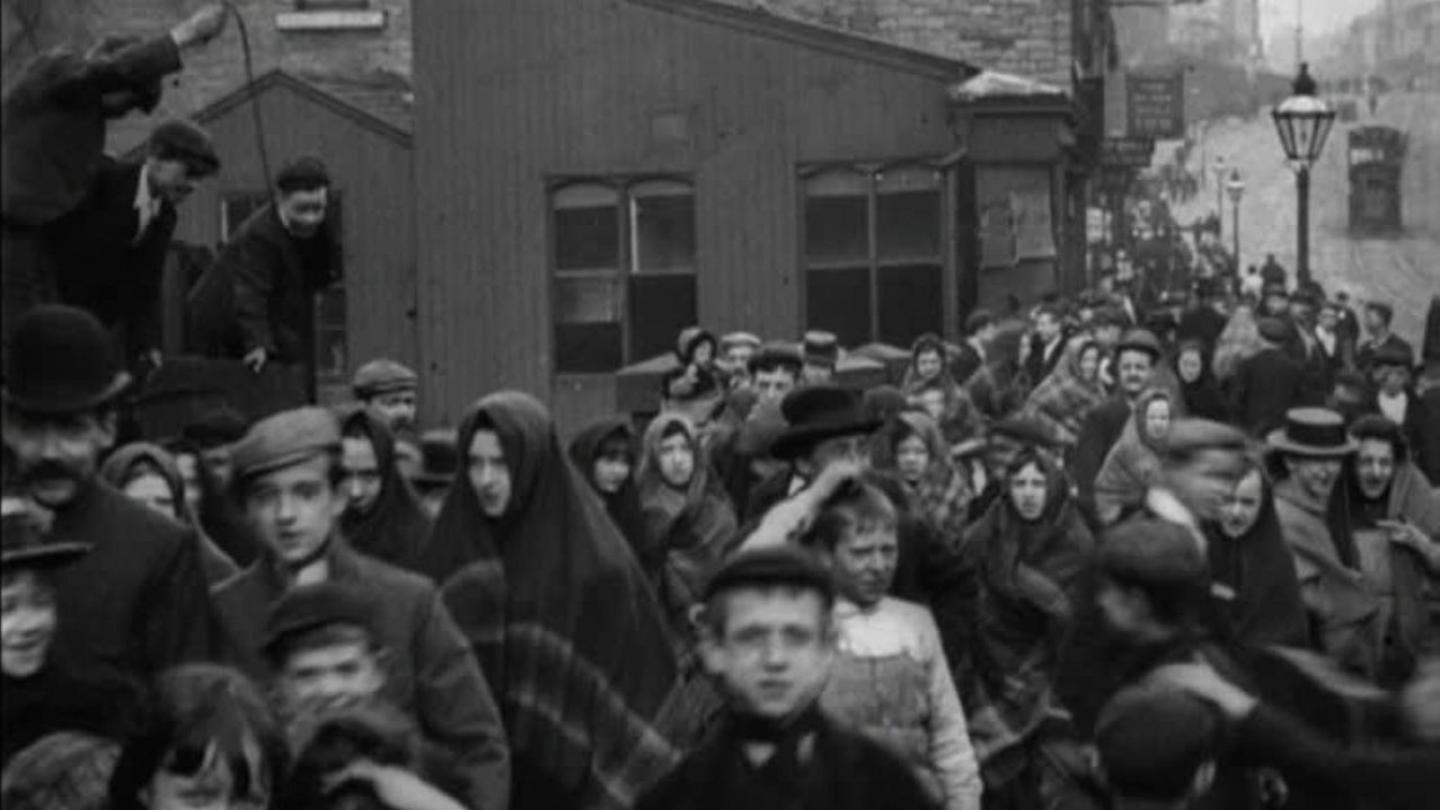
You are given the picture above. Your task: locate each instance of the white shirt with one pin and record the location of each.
(1394, 407)
(147, 206)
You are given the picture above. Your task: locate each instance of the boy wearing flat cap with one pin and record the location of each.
(288, 476)
(767, 632)
(257, 301)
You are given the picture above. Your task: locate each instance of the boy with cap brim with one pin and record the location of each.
(293, 458)
(780, 598)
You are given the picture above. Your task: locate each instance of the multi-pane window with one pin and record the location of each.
(624, 270)
(874, 253)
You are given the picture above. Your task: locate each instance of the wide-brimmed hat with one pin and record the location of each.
(61, 362)
(24, 540)
(817, 413)
(1312, 432)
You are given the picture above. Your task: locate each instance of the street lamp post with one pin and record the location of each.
(1219, 187)
(1303, 123)
(1236, 189)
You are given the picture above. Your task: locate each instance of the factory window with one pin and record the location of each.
(623, 253)
(874, 252)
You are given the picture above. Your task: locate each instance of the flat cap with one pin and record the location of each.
(284, 440)
(312, 606)
(821, 348)
(1393, 354)
(739, 339)
(302, 173)
(776, 353)
(186, 142)
(383, 376)
(216, 428)
(1153, 552)
(1152, 741)
(784, 565)
(1191, 435)
(1141, 340)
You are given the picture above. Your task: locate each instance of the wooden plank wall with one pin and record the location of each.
(372, 172)
(510, 92)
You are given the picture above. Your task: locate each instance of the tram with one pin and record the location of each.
(1377, 157)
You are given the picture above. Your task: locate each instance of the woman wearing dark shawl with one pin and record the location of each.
(127, 470)
(1253, 570)
(604, 455)
(568, 632)
(687, 516)
(1199, 390)
(911, 446)
(394, 526)
(1028, 555)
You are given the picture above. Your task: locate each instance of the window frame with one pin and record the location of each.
(873, 171)
(626, 269)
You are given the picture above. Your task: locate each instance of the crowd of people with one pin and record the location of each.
(1127, 548)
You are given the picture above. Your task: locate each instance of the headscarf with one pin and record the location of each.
(943, 494)
(623, 506)
(396, 527)
(913, 380)
(1238, 342)
(1264, 607)
(569, 634)
(692, 527)
(1132, 464)
(215, 564)
(1063, 398)
(1203, 397)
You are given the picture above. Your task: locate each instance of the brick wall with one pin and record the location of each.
(1026, 37)
(217, 68)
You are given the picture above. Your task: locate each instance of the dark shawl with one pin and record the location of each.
(396, 527)
(1203, 397)
(623, 506)
(1259, 571)
(216, 565)
(1028, 582)
(569, 634)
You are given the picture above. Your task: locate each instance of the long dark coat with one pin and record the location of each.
(99, 266)
(1264, 388)
(260, 293)
(51, 148)
(431, 674)
(137, 602)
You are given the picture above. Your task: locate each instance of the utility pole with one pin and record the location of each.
(1299, 31)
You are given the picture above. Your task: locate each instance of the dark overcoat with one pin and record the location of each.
(1265, 386)
(431, 674)
(137, 602)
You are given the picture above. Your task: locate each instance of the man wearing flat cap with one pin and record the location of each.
(109, 253)
(388, 388)
(257, 301)
(61, 386)
(288, 476)
(821, 351)
(56, 113)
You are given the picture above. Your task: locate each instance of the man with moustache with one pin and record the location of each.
(767, 632)
(289, 476)
(1309, 453)
(137, 601)
(1135, 358)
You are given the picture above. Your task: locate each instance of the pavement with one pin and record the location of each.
(1404, 271)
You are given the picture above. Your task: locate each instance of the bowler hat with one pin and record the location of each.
(185, 142)
(61, 362)
(284, 440)
(312, 606)
(439, 457)
(817, 413)
(25, 542)
(1312, 432)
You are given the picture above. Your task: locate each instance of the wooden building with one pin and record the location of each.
(362, 131)
(595, 175)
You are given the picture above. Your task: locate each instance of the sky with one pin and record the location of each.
(1320, 16)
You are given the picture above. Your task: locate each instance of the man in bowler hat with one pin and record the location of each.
(109, 253)
(52, 145)
(137, 601)
(257, 301)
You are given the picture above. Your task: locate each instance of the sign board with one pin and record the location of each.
(1127, 152)
(1155, 105)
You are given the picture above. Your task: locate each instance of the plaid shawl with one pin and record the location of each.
(1028, 576)
(567, 631)
(1062, 399)
(943, 494)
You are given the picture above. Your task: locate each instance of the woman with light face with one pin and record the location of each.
(912, 446)
(1253, 568)
(1199, 390)
(1133, 464)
